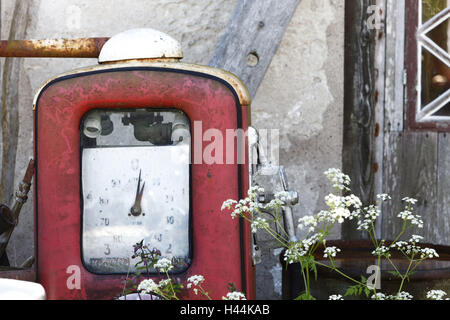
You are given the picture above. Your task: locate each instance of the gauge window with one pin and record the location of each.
(135, 180)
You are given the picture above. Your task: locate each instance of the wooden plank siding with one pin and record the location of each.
(443, 189)
(411, 162)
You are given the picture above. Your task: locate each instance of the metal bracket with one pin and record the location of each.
(261, 166)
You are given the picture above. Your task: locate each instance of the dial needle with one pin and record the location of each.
(136, 209)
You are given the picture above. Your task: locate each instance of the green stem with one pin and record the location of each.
(341, 273)
(405, 276)
(174, 295)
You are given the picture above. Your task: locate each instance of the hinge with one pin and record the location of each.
(405, 77)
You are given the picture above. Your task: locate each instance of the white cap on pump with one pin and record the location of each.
(138, 44)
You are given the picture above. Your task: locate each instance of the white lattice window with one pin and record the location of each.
(432, 106)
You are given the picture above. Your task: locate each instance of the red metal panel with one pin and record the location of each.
(59, 109)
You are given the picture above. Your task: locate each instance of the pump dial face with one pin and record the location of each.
(133, 193)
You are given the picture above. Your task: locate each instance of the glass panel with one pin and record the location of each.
(135, 186)
(435, 74)
(430, 8)
(435, 78)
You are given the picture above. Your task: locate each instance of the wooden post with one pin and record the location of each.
(251, 39)
(359, 104)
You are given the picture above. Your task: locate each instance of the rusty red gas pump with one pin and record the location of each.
(140, 148)
(115, 164)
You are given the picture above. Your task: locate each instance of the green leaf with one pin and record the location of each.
(305, 297)
(395, 273)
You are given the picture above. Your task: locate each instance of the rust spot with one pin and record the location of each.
(376, 167)
(52, 48)
(377, 130)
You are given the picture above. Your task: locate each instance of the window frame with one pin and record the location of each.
(414, 44)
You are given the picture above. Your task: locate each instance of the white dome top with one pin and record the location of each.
(140, 44)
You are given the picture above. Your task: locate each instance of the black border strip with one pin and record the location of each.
(125, 69)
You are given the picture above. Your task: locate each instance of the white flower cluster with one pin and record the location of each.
(300, 249)
(283, 196)
(308, 222)
(164, 265)
(428, 253)
(339, 208)
(381, 251)
(384, 197)
(259, 223)
(331, 252)
(147, 286)
(371, 214)
(402, 296)
(228, 204)
(336, 297)
(415, 239)
(411, 249)
(378, 296)
(407, 248)
(338, 180)
(436, 295)
(407, 215)
(410, 201)
(399, 296)
(236, 295)
(250, 205)
(195, 280)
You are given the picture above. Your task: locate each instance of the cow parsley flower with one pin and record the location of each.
(308, 222)
(407, 215)
(336, 297)
(339, 180)
(381, 251)
(436, 295)
(384, 197)
(300, 249)
(402, 296)
(410, 201)
(415, 239)
(259, 223)
(228, 204)
(399, 296)
(378, 296)
(195, 280)
(368, 218)
(284, 196)
(331, 252)
(428, 253)
(274, 204)
(236, 295)
(147, 286)
(164, 265)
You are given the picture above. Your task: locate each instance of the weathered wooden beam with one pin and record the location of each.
(252, 38)
(10, 105)
(360, 98)
(395, 65)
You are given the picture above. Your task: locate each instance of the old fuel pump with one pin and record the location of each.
(115, 150)
(142, 147)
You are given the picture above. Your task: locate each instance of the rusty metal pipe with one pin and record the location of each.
(52, 48)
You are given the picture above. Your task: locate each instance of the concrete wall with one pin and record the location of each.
(301, 95)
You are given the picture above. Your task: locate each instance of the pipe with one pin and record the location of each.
(52, 48)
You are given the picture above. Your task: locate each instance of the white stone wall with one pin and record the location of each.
(301, 95)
